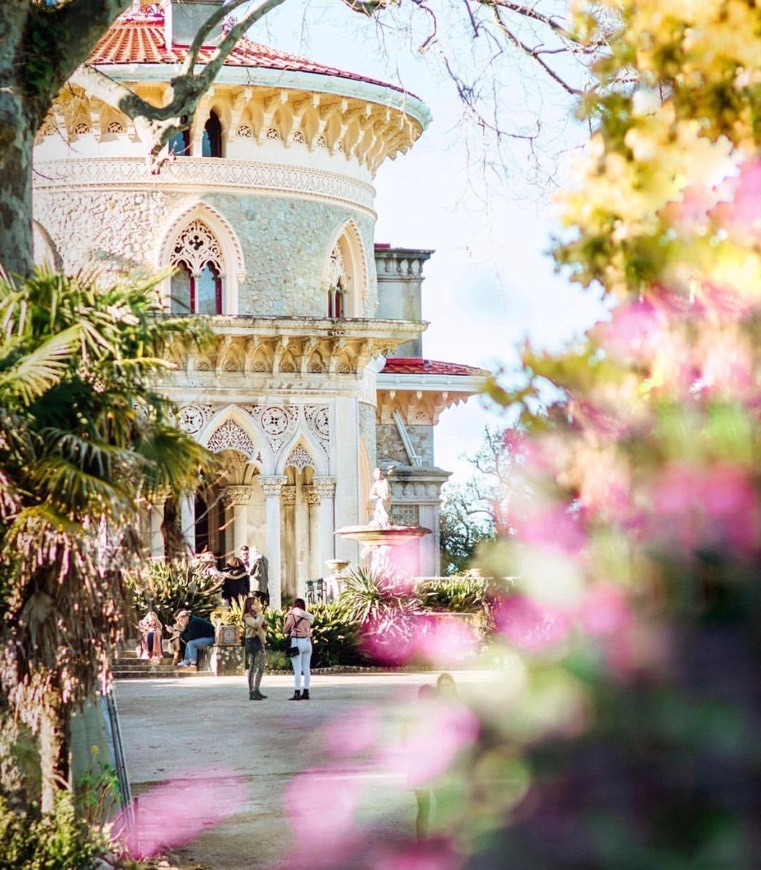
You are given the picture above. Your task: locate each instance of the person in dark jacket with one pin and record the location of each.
(196, 632)
(234, 579)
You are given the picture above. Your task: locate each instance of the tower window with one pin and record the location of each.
(211, 144)
(179, 144)
(196, 286)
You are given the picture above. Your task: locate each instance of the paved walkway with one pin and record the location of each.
(172, 727)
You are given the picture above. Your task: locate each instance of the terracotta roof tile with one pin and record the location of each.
(418, 366)
(138, 38)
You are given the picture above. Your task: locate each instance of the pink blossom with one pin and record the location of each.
(445, 640)
(431, 742)
(634, 331)
(321, 807)
(530, 625)
(432, 854)
(606, 610)
(180, 810)
(741, 217)
(356, 730)
(551, 527)
(714, 506)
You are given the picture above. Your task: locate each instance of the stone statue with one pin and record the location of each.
(379, 501)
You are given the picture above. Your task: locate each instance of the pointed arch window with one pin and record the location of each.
(337, 282)
(211, 144)
(179, 144)
(196, 286)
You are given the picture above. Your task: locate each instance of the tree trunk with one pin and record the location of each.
(16, 240)
(54, 752)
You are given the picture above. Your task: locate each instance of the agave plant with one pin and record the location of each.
(385, 610)
(166, 587)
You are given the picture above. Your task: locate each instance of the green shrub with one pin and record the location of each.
(335, 637)
(58, 841)
(172, 586)
(457, 594)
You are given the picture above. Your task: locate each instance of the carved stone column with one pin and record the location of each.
(156, 522)
(325, 487)
(239, 498)
(292, 545)
(271, 486)
(314, 563)
(188, 521)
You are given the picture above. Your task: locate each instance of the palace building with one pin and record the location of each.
(262, 218)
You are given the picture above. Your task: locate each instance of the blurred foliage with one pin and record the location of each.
(56, 840)
(459, 593)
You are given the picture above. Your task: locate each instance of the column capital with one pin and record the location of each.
(325, 486)
(237, 495)
(312, 495)
(288, 495)
(272, 485)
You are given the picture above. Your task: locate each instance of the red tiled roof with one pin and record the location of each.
(137, 37)
(401, 365)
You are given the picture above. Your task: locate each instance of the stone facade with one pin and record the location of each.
(269, 233)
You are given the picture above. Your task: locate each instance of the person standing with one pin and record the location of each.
(255, 637)
(234, 579)
(259, 570)
(196, 632)
(298, 626)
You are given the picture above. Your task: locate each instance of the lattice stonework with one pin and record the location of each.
(299, 458)
(405, 515)
(196, 246)
(230, 436)
(337, 270)
(277, 423)
(318, 420)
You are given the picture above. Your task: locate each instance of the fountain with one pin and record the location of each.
(379, 538)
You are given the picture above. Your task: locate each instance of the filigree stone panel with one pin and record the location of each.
(299, 458)
(230, 436)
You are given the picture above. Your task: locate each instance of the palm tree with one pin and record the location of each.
(85, 439)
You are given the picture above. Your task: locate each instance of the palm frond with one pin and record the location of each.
(40, 369)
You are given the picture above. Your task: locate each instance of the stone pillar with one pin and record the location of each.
(239, 497)
(271, 486)
(188, 520)
(156, 520)
(294, 541)
(314, 562)
(326, 490)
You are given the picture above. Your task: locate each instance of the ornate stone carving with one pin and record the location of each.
(191, 419)
(288, 495)
(272, 485)
(318, 420)
(299, 458)
(230, 436)
(276, 422)
(244, 131)
(325, 486)
(239, 175)
(237, 495)
(311, 495)
(196, 246)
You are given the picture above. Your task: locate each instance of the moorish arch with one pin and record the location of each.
(204, 249)
(346, 274)
(45, 251)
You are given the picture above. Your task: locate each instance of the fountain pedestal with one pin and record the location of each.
(379, 544)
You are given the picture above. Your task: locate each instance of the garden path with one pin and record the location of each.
(172, 727)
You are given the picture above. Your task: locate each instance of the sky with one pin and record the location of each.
(488, 213)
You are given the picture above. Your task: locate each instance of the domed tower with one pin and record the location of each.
(261, 217)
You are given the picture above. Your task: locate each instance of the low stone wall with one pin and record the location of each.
(223, 660)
